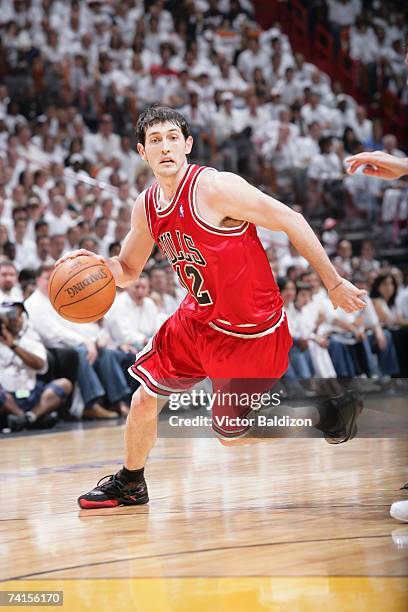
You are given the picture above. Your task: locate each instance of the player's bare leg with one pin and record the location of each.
(141, 428)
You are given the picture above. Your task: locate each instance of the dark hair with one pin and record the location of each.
(98, 220)
(112, 246)
(160, 114)
(375, 289)
(324, 141)
(303, 275)
(289, 270)
(26, 275)
(9, 249)
(283, 281)
(43, 268)
(302, 287)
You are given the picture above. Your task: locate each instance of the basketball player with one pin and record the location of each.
(231, 325)
(385, 166)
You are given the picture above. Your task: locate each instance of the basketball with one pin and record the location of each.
(82, 289)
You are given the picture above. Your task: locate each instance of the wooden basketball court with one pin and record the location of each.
(293, 524)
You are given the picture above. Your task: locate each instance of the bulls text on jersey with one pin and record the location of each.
(181, 248)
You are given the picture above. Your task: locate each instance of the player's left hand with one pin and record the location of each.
(347, 296)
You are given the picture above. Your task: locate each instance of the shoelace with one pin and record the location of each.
(112, 483)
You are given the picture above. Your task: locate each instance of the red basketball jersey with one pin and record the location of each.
(225, 270)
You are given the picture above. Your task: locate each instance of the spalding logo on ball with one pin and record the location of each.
(82, 289)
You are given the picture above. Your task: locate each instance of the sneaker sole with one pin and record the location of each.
(85, 504)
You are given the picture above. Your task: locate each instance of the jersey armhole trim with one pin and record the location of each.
(213, 229)
(147, 211)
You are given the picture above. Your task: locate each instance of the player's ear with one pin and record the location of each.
(189, 144)
(141, 150)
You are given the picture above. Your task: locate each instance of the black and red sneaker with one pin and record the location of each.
(113, 492)
(338, 416)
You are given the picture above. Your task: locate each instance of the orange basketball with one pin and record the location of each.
(82, 289)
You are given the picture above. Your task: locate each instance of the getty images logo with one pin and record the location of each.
(88, 280)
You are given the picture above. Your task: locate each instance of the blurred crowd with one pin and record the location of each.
(73, 78)
(373, 33)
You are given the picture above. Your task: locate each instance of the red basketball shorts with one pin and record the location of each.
(185, 351)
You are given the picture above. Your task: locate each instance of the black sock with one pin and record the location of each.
(126, 475)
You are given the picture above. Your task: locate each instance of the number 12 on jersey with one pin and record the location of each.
(192, 280)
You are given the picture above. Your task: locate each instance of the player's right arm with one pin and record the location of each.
(379, 164)
(135, 251)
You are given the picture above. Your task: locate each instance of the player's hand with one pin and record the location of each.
(379, 164)
(347, 296)
(78, 253)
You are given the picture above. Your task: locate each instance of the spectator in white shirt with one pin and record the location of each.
(229, 79)
(292, 259)
(158, 287)
(199, 118)
(320, 83)
(303, 69)
(315, 111)
(40, 256)
(343, 12)
(325, 185)
(10, 290)
(25, 399)
(226, 126)
(131, 162)
(390, 145)
(308, 146)
(105, 144)
(326, 165)
(289, 88)
(55, 333)
(57, 217)
(343, 259)
(253, 57)
(363, 42)
(103, 234)
(363, 127)
(134, 318)
(24, 245)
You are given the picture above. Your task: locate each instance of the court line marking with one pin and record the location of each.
(190, 552)
(105, 514)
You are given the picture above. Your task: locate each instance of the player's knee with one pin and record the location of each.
(143, 406)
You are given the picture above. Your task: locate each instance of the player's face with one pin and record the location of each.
(165, 149)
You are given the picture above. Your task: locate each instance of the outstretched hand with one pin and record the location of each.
(347, 296)
(78, 253)
(379, 164)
